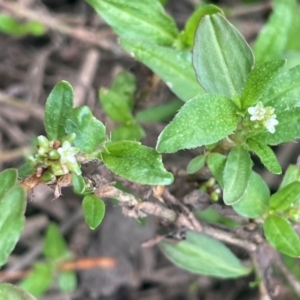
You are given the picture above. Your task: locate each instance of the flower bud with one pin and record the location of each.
(43, 141)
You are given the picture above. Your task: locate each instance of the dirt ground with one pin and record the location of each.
(29, 68)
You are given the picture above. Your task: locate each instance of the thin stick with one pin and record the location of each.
(85, 263)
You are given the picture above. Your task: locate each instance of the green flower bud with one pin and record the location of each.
(43, 142)
(215, 196)
(48, 176)
(32, 160)
(74, 167)
(70, 138)
(53, 154)
(43, 151)
(58, 169)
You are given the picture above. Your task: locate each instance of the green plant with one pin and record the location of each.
(239, 107)
(55, 253)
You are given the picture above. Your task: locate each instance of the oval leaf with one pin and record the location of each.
(78, 184)
(266, 155)
(187, 37)
(291, 174)
(255, 201)
(221, 67)
(273, 38)
(284, 92)
(158, 113)
(93, 210)
(90, 132)
(55, 246)
(12, 292)
(236, 175)
(259, 80)
(282, 236)
(286, 197)
(12, 207)
(139, 20)
(201, 121)
(38, 282)
(58, 108)
(196, 164)
(115, 105)
(174, 67)
(204, 255)
(133, 132)
(216, 163)
(8, 179)
(287, 130)
(136, 162)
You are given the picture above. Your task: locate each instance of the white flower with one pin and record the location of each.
(264, 115)
(257, 112)
(67, 158)
(270, 123)
(67, 153)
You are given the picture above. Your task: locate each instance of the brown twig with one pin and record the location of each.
(34, 110)
(86, 76)
(15, 153)
(76, 265)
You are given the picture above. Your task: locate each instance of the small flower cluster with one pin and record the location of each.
(56, 158)
(264, 115)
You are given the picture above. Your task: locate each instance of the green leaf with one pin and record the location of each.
(138, 20)
(286, 198)
(8, 179)
(55, 247)
(284, 92)
(12, 292)
(26, 170)
(236, 175)
(196, 164)
(174, 67)
(38, 282)
(115, 106)
(201, 121)
(222, 67)
(12, 208)
(255, 201)
(292, 57)
(90, 132)
(133, 132)
(78, 184)
(209, 215)
(93, 210)
(287, 130)
(136, 162)
(291, 174)
(9, 25)
(67, 281)
(259, 81)
(216, 163)
(282, 236)
(266, 155)
(204, 255)
(159, 113)
(58, 108)
(293, 42)
(188, 35)
(273, 38)
(124, 84)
